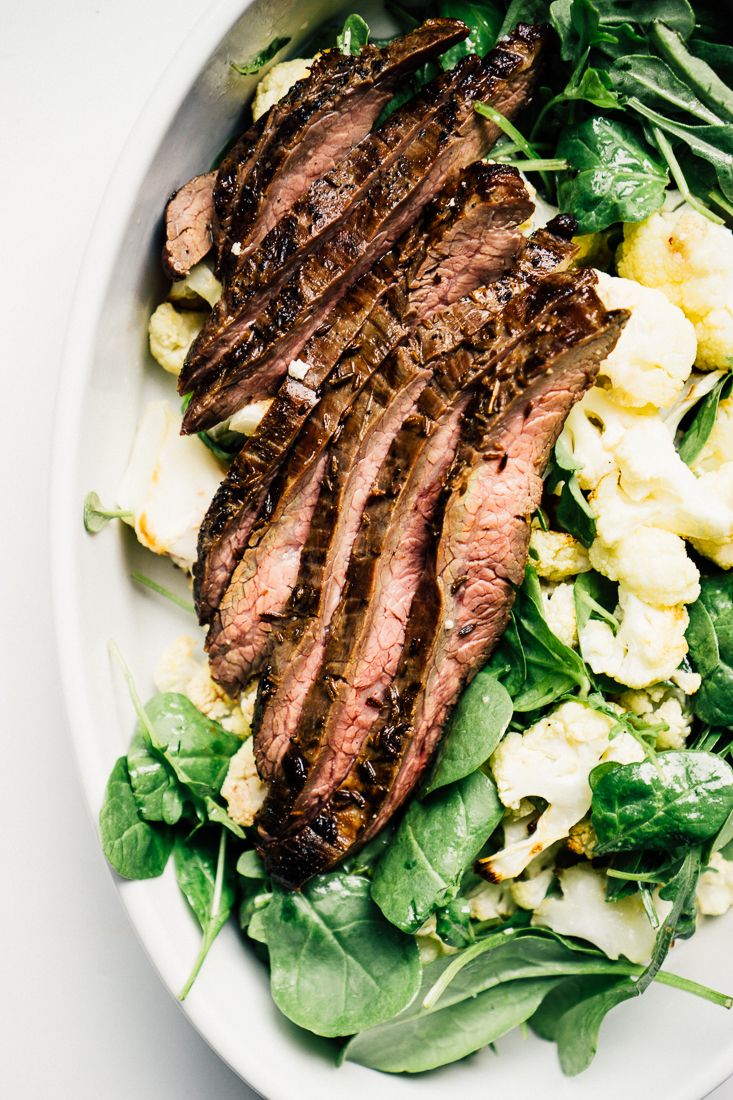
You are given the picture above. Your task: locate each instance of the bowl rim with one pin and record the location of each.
(76, 365)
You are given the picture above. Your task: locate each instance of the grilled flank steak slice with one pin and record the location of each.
(359, 727)
(248, 357)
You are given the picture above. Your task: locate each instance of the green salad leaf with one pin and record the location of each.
(573, 513)
(699, 431)
(700, 76)
(135, 848)
(651, 81)
(434, 844)
(206, 883)
(354, 35)
(710, 641)
(337, 966)
(677, 798)
(96, 516)
(477, 725)
(483, 19)
(616, 177)
(534, 665)
(254, 64)
(572, 1015)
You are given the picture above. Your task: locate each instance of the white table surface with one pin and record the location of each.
(82, 1014)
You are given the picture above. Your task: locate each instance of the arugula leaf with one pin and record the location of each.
(337, 966)
(97, 517)
(681, 919)
(578, 25)
(483, 20)
(534, 665)
(713, 143)
(710, 641)
(434, 844)
(135, 848)
(354, 35)
(701, 427)
(681, 797)
(616, 177)
(254, 64)
(205, 883)
(478, 724)
(651, 80)
(696, 72)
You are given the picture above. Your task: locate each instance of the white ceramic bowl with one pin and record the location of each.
(665, 1045)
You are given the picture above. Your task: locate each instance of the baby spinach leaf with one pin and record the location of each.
(578, 26)
(197, 749)
(135, 848)
(573, 1016)
(157, 792)
(681, 797)
(453, 923)
(206, 884)
(677, 14)
(718, 56)
(703, 423)
(482, 19)
(477, 726)
(615, 178)
(541, 668)
(96, 517)
(354, 35)
(710, 641)
(652, 81)
(434, 844)
(254, 64)
(250, 866)
(573, 513)
(426, 1041)
(337, 966)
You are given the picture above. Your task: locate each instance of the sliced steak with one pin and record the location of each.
(309, 131)
(188, 217)
(248, 359)
(477, 219)
(304, 630)
(361, 682)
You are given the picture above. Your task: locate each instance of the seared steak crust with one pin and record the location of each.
(308, 131)
(304, 628)
(248, 359)
(512, 425)
(474, 222)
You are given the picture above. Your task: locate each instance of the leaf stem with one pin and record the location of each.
(142, 714)
(665, 148)
(148, 582)
(537, 164)
(212, 928)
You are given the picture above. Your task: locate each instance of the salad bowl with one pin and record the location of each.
(664, 1045)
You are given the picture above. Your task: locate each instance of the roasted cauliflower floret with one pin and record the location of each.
(171, 332)
(557, 555)
(656, 350)
(594, 428)
(715, 887)
(652, 563)
(183, 669)
(689, 259)
(617, 927)
(666, 706)
(243, 790)
(201, 284)
(277, 82)
(550, 760)
(559, 606)
(647, 647)
(168, 485)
